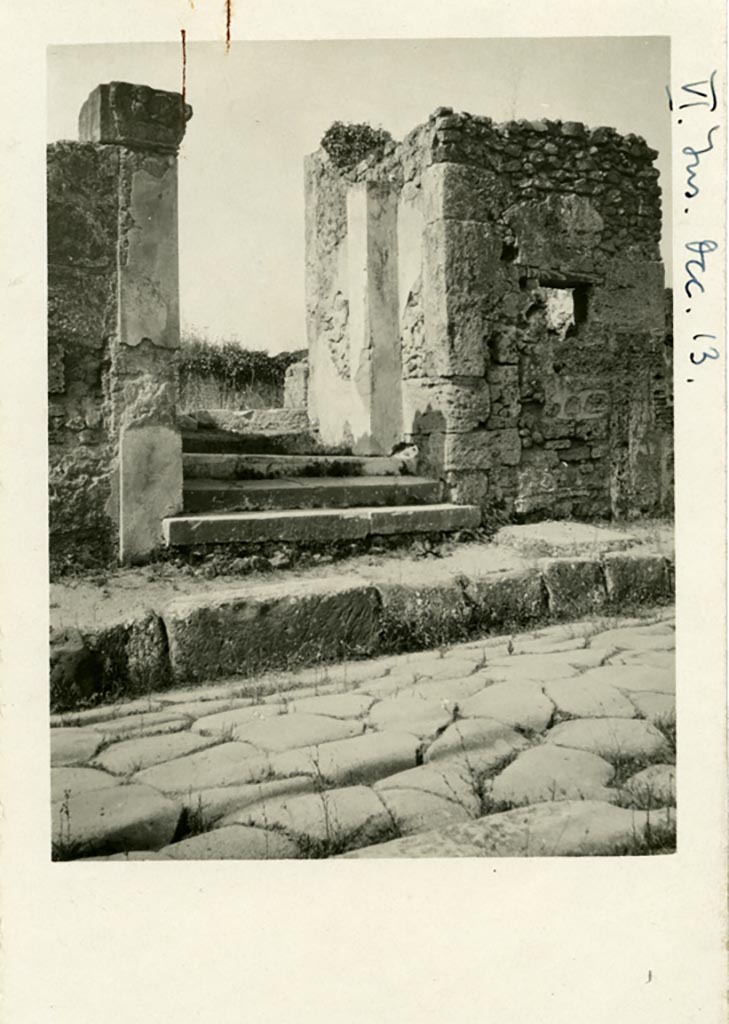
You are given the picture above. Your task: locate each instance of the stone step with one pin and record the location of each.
(307, 493)
(257, 466)
(212, 441)
(316, 526)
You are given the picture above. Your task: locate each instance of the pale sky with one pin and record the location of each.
(261, 107)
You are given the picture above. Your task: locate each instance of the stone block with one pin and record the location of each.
(287, 732)
(296, 385)
(115, 820)
(482, 742)
(255, 421)
(149, 304)
(124, 114)
(433, 404)
(234, 842)
(423, 616)
(574, 587)
(449, 780)
(335, 819)
(78, 780)
(592, 699)
(133, 755)
(558, 231)
(272, 626)
(75, 672)
(636, 579)
(418, 811)
(468, 487)
(510, 600)
(56, 376)
(520, 705)
(150, 487)
(551, 829)
(73, 746)
(553, 773)
(458, 259)
(626, 737)
(459, 192)
(470, 451)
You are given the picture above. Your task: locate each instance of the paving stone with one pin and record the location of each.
(635, 677)
(630, 737)
(287, 732)
(391, 685)
(414, 811)
(341, 674)
(548, 644)
(154, 722)
(450, 665)
(423, 717)
(423, 844)
(654, 705)
(205, 708)
(226, 764)
(490, 740)
(665, 660)
(452, 691)
(130, 855)
(591, 699)
(116, 819)
(226, 721)
(549, 772)
(209, 692)
(562, 829)
(516, 704)
(450, 780)
(539, 668)
(655, 786)
(213, 803)
(236, 842)
(134, 755)
(414, 669)
(363, 759)
(78, 780)
(350, 816)
(642, 638)
(92, 716)
(339, 705)
(73, 746)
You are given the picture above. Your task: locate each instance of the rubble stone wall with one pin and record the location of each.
(531, 309)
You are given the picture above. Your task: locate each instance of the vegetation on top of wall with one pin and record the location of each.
(231, 364)
(348, 144)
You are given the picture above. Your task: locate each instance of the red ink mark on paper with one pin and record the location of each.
(228, 19)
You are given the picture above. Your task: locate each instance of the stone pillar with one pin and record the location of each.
(374, 332)
(147, 126)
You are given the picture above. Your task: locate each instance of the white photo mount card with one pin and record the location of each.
(370, 510)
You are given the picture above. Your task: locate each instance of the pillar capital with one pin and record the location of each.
(138, 116)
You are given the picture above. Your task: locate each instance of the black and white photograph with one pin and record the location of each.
(361, 450)
(363, 512)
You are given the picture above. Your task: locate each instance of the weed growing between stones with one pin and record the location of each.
(667, 725)
(194, 821)
(656, 837)
(64, 846)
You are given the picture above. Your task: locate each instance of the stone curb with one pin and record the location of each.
(274, 627)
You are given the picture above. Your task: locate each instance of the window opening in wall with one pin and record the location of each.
(567, 306)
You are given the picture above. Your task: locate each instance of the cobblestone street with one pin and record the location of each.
(554, 742)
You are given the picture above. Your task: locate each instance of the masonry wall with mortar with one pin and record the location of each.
(531, 312)
(113, 327)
